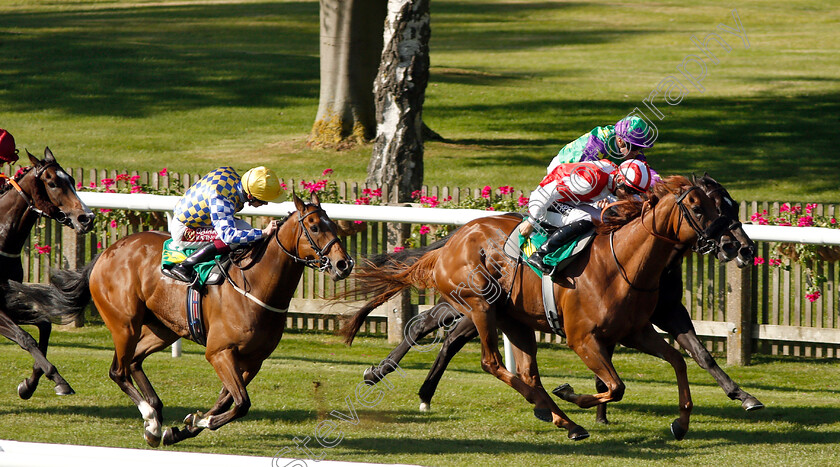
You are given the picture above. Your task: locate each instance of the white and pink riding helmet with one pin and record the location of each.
(635, 174)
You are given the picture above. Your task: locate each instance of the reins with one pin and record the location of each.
(30, 205)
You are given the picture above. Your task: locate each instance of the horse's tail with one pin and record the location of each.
(387, 274)
(64, 299)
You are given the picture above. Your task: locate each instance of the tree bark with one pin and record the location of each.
(400, 89)
(351, 42)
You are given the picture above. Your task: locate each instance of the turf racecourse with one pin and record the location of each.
(475, 419)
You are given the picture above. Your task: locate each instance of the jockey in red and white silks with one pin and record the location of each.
(568, 198)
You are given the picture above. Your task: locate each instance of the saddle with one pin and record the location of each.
(519, 247)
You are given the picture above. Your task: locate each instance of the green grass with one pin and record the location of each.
(475, 419)
(191, 85)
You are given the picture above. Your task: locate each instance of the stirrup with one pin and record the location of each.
(180, 272)
(537, 262)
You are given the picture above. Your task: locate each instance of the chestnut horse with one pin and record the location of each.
(609, 297)
(41, 190)
(146, 311)
(670, 315)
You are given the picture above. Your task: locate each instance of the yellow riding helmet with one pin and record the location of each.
(263, 184)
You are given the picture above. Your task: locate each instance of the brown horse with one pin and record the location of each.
(608, 298)
(146, 312)
(43, 189)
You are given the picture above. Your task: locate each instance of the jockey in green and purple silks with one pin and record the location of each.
(625, 140)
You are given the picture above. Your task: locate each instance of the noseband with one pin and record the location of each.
(705, 237)
(61, 217)
(322, 262)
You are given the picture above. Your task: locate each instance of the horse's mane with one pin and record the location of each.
(629, 207)
(8, 186)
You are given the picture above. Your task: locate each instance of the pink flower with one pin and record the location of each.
(485, 192)
(416, 194)
(122, 178)
(813, 297)
(522, 201)
(163, 172)
(18, 173)
(758, 260)
(398, 249)
(326, 172)
(362, 200)
(98, 245)
(137, 189)
(490, 208)
(377, 193)
(429, 201)
(113, 224)
(810, 207)
(93, 184)
(43, 249)
(447, 199)
(775, 262)
(107, 182)
(284, 186)
(79, 186)
(784, 208)
(133, 180)
(783, 222)
(103, 210)
(833, 221)
(358, 222)
(424, 229)
(505, 189)
(805, 221)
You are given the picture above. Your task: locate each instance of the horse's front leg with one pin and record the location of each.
(227, 367)
(16, 334)
(174, 435)
(650, 342)
(62, 387)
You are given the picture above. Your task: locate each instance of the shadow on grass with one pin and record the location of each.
(747, 140)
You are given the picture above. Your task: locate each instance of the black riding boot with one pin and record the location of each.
(184, 270)
(557, 239)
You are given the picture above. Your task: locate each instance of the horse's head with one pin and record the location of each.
(734, 241)
(52, 191)
(318, 241)
(696, 209)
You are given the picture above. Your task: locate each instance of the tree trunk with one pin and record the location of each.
(400, 88)
(351, 42)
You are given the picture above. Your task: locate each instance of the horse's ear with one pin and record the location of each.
(32, 158)
(48, 155)
(299, 204)
(315, 200)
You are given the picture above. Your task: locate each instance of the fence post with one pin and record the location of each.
(739, 312)
(73, 257)
(398, 308)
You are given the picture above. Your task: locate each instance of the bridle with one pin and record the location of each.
(61, 217)
(322, 262)
(706, 242)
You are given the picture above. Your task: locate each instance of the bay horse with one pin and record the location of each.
(670, 315)
(146, 311)
(42, 190)
(610, 295)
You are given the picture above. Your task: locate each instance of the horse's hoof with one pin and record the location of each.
(370, 375)
(564, 391)
(543, 414)
(578, 433)
(24, 391)
(751, 403)
(64, 390)
(170, 436)
(154, 441)
(425, 407)
(193, 418)
(677, 430)
(602, 420)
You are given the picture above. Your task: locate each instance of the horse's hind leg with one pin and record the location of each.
(16, 334)
(174, 435)
(524, 343)
(419, 326)
(464, 332)
(151, 341)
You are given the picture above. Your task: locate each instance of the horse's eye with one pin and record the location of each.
(314, 228)
(51, 184)
(698, 212)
